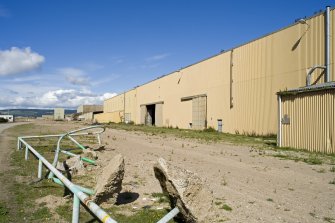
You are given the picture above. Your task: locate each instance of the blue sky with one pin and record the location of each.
(65, 53)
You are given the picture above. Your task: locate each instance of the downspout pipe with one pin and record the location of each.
(279, 135)
(327, 74)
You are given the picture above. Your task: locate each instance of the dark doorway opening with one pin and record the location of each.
(150, 116)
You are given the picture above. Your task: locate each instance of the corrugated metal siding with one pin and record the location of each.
(114, 104)
(109, 117)
(312, 121)
(263, 67)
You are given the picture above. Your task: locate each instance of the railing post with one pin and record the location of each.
(40, 165)
(27, 153)
(99, 140)
(18, 143)
(76, 209)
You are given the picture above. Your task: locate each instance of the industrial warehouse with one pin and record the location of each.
(236, 90)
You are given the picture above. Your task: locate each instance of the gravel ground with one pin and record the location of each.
(258, 187)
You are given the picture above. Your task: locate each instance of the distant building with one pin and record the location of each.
(59, 114)
(10, 118)
(89, 108)
(88, 116)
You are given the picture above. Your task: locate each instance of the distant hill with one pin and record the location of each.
(32, 112)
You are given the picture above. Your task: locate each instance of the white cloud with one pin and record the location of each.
(157, 57)
(75, 76)
(17, 60)
(68, 98)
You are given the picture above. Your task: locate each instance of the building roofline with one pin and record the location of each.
(312, 88)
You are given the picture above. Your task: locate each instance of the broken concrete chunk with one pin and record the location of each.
(186, 191)
(73, 164)
(109, 182)
(91, 154)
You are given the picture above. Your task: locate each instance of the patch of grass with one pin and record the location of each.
(143, 215)
(332, 181)
(162, 198)
(329, 219)
(206, 135)
(332, 169)
(270, 199)
(41, 214)
(312, 159)
(226, 207)
(4, 211)
(66, 212)
(218, 203)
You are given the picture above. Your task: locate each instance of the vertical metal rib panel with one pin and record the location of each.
(312, 121)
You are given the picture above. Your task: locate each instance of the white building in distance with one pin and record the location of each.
(59, 114)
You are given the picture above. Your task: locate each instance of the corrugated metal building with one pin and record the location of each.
(236, 88)
(307, 118)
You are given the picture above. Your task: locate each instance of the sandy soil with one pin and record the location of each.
(258, 187)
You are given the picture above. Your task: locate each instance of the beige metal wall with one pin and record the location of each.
(89, 108)
(130, 106)
(241, 84)
(114, 104)
(203, 78)
(311, 121)
(109, 117)
(120, 105)
(87, 116)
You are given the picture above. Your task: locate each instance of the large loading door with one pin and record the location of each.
(152, 114)
(199, 112)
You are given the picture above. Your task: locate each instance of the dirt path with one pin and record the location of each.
(5, 158)
(258, 187)
(4, 147)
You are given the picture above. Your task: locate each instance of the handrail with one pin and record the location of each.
(78, 194)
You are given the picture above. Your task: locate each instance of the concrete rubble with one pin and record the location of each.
(186, 191)
(109, 182)
(90, 153)
(73, 164)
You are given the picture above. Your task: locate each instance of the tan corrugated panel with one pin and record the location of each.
(130, 104)
(116, 117)
(312, 123)
(114, 104)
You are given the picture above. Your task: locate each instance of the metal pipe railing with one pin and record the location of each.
(78, 194)
(54, 163)
(169, 215)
